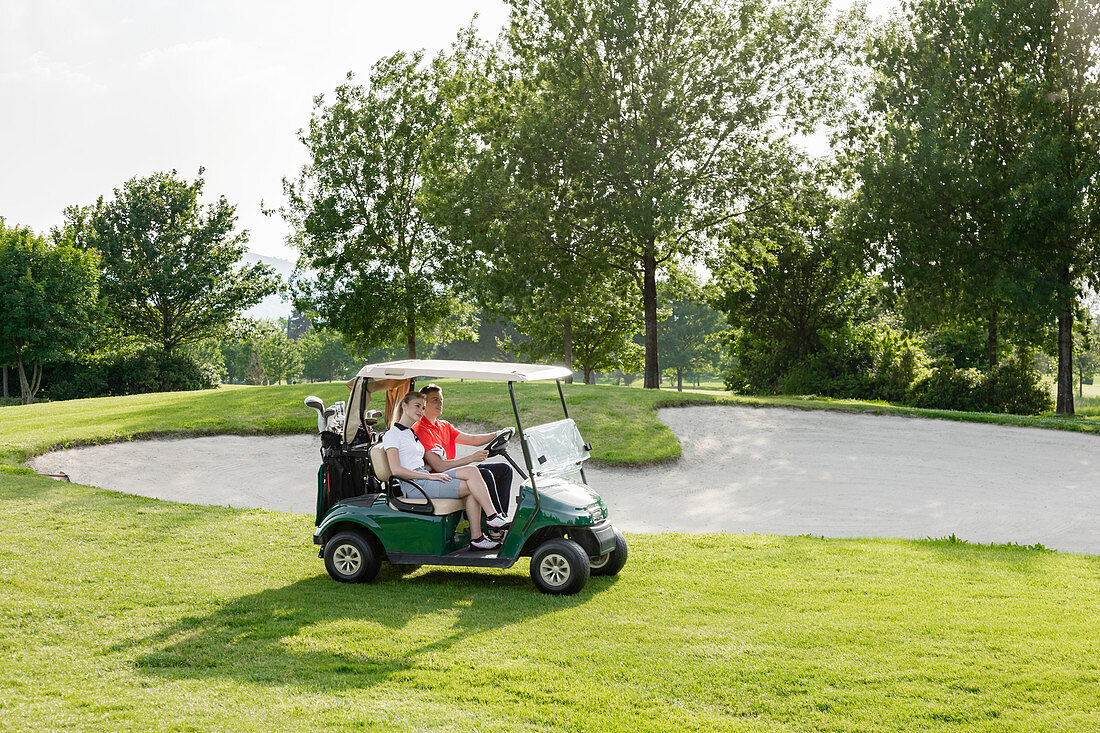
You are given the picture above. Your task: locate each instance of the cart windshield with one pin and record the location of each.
(557, 448)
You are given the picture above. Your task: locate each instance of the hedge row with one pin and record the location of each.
(120, 374)
(873, 364)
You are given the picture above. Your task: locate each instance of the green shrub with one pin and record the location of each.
(870, 361)
(178, 373)
(105, 375)
(1014, 387)
(73, 380)
(948, 388)
(874, 361)
(900, 361)
(831, 373)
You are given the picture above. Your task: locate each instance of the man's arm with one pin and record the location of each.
(479, 439)
(437, 462)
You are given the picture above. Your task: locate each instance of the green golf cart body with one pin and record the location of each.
(364, 518)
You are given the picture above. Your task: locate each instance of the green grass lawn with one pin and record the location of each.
(123, 613)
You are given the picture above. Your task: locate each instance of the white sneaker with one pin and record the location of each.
(484, 543)
(497, 521)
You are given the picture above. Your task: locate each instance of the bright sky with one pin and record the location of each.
(95, 92)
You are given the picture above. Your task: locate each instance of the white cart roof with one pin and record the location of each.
(497, 371)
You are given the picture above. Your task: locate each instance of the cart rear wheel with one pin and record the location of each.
(351, 558)
(612, 562)
(559, 567)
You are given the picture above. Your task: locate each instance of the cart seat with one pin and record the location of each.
(381, 465)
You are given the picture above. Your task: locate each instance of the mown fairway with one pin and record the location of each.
(124, 613)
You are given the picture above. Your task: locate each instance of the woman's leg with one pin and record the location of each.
(473, 513)
(476, 485)
(473, 509)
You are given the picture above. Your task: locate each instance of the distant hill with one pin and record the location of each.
(273, 306)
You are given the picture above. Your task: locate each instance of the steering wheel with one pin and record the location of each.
(497, 445)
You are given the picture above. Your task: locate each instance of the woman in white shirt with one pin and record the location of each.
(406, 458)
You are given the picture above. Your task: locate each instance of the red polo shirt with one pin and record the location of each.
(439, 436)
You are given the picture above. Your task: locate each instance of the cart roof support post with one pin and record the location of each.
(526, 454)
(561, 394)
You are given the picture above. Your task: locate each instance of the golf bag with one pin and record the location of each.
(341, 476)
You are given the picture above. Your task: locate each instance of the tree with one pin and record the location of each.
(1061, 195)
(355, 207)
(938, 177)
(278, 358)
(325, 357)
(1086, 353)
(501, 200)
(297, 325)
(259, 352)
(47, 293)
(171, 272)
(978, 181)
(590, 329)
(661, 114)
(787, 282)
(690, 328)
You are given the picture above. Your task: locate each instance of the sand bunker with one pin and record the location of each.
(774, 471)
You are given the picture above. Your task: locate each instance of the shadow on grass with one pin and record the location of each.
(327, 635)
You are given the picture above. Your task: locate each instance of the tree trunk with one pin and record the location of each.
(1065, 360)
(589, 376)
(24, 386)
(991, 339)
(410, 330)
(649, 306)
(679, 379)
(6, 395)
(567, 340)
(28, 388)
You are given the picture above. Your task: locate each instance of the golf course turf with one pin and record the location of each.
(124, 613)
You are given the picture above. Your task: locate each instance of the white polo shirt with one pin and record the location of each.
(409, 450)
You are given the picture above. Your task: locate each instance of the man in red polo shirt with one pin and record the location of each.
(439, 438)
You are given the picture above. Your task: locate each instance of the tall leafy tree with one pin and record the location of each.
(171, 266)
(590, 328)
(355, 206)
(325, 356)
(1086, 353)
(500, 198)
(1062, 197)
(977, 182)
(939, 182)
(787, 281)
(47, 299)
(277, 357)
(690, 331)
(660, 114)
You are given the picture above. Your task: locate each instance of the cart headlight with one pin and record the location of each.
(597, 513)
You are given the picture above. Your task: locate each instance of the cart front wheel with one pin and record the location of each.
(612, 562)
(559, 567)
(351, 558)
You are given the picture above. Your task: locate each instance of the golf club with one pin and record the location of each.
(316, 403)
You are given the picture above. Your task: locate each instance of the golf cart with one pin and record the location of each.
(364, 517)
